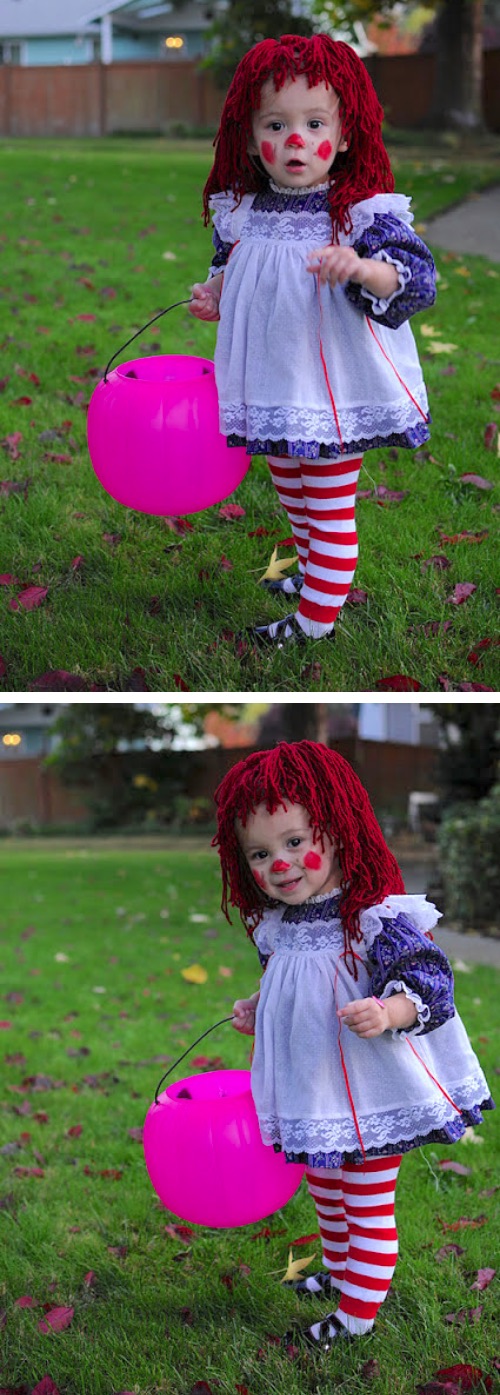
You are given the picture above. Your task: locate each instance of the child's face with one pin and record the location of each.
(297, 132)
(283, 857)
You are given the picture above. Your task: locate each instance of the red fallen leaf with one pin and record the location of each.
(29, 1172)
(464, 1315)
(201, 1388)
(31, 597)
(473, 657)
(3, 667)
(74, 1131)
(286, 542)
(180, 1232)
(77, 562)
(228, 1281)
(433, 627)
(11, 443)
(242, 1389)
(57, 458)
(266, 1233)
(178, 525)
(483, 1278)
(22, 401)
(463, 1223)
(260, 533)
(56, 1320)
(136, 1134)
(478, 480)
(231, 511)
(363, 493)
(356, 596)
(85, 317)
(89, 1278)
(5, 1025)
(467, 1376)
(495, 393)
(447, 1165)
(6, 579)
(467, 536)
(45, 1386)
(58, 680)
(179, 683)
(439, 561)
(312, 672)
(305, 1239)
(446, 1250)
(187, 1317)
(225, 564)
(371, 1369)
(3, 383)
(112, 538)
(461, 593)
(391, 496)
(490, 435)
(399, 683)
(26, 1302)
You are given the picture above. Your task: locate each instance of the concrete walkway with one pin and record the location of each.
(473, 226)
(470, 947)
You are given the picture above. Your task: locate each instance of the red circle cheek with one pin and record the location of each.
(257, 876)
(325, 150)
(268, 152)
(313, 861)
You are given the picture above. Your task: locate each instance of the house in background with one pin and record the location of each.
(65, 32)
(26, 730)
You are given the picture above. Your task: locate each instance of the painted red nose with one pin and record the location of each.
(295, 140)
(280, 866)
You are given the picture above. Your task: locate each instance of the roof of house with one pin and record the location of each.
(24, 19)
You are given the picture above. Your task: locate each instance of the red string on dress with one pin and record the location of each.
(324, 367)
(389, 360)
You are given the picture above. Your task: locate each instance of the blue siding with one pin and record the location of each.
(59, 50)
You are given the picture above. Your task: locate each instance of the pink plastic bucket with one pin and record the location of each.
(205, 1156)
(154, 439)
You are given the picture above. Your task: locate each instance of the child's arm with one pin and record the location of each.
(403, 960)
(244, 1014)
(392, 246)
(369, 1017)
(341, 264)
(206, 298)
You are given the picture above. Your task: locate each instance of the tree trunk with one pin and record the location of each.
(457, 102)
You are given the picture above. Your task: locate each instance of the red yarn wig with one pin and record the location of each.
(306, 773)
(361, 171)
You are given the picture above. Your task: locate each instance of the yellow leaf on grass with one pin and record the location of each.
(461, 271)
(429, 331)
(276, 568)
(295, 1266)
(436, 347)
(195, 974)
(225, 973)
(470, 1137)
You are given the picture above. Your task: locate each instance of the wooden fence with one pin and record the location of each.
(156, 97)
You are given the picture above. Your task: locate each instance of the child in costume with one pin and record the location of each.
(315, 275)
(359, 1052)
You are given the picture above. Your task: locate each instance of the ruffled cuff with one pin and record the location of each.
(380, 305)
(423, 1011)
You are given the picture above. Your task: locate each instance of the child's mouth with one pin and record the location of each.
(295, 165)
(290, 885)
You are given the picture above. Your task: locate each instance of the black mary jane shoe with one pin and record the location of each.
(329, 1331)
(323, 1286)
(297, 583)
(262, 636)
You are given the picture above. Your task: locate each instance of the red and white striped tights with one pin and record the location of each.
(319, 497)
(355, 1208)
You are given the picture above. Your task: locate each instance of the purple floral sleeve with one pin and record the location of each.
(389, 239)
(221, 254)
(402, 953)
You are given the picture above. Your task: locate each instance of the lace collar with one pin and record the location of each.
(322, 907)
(310, 189)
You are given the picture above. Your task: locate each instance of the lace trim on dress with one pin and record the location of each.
(313, 450)
(422, 913)
(316, 425)
(377, 1130)
(423, 1010)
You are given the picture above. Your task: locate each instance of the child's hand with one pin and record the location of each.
(367, 1017)
(205, 299)
(335, 264)
(244, 1015)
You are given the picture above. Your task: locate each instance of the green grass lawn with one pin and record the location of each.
(94, 941)
(96, 238)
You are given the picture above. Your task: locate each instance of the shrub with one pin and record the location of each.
(469, 838)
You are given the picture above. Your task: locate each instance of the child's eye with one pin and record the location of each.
(275, 126)
(294, 842)
(315, 123)
(257, 856)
